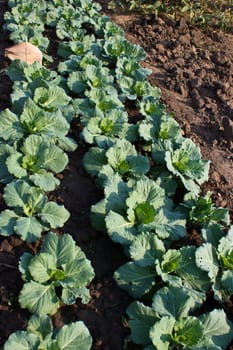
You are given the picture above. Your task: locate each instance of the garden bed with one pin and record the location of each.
(194, 69)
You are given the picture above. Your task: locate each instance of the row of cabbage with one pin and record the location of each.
(33, 151)
(150, 175)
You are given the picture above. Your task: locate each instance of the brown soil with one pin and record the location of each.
(194, 69)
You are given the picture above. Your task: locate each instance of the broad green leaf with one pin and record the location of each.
(14, 165)
(188, 331)
(227, 281)
(170, 223)
(161, 333)
(217, 327)
(171, 261)
(16, 193)
(45, 180)
(135, 279)
(194, 278)
(40, 326)
(146, 248)
(74, 336)
(39, 298)
(41, 267)
(29, 228)
(21, 340)
(5, 151)
(10, 126)
(206, 259)
(93, 160)
(119, 229)
(70, 295)
(7, 222)
(212, 234)
(97, 215)
(34, 145)
(55, 159)
(53, 214)
(173, 301)
(58, 246)
(141, 319)
(78, 272)
(36, 201)
(24, 263)
(116, 192)
(52, 98)
(66, 143)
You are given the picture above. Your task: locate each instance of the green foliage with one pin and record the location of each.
(168, 323)
(217, 261)
(217, 13)
(201, 211)
(60, 264)
(33, 120)
(41, 335)
(37, 161)
(102, 70)
(186, 163)
(121, 158)
(31, 212)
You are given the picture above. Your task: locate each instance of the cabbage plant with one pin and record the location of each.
(135, 207)
(33, 120)
(31, 212)
(40, 334)
(216, 258)
(185, 162)
(37, 161)
(104, 131)
(121, 158)
(153, 264)
(169, 323)
(59, 273)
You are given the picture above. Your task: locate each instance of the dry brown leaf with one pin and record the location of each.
(25, 52)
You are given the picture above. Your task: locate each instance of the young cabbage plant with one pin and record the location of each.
(129, 74)
(70, 29)
(87, 45)
(40, 335)
(59, 273)
(217, 261)
(121, 158)
(33, 120)
(105, 131)
(160, 127)
(169, 323)
(135, 207)
(202, 212)
(161, 133)
(117, 47)
(31, 212)
(50, 98)
(92, 77)
(154, 265)
(20, 71)
(186, 163)
(98, 103)
(37, 161)
(24, 21)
